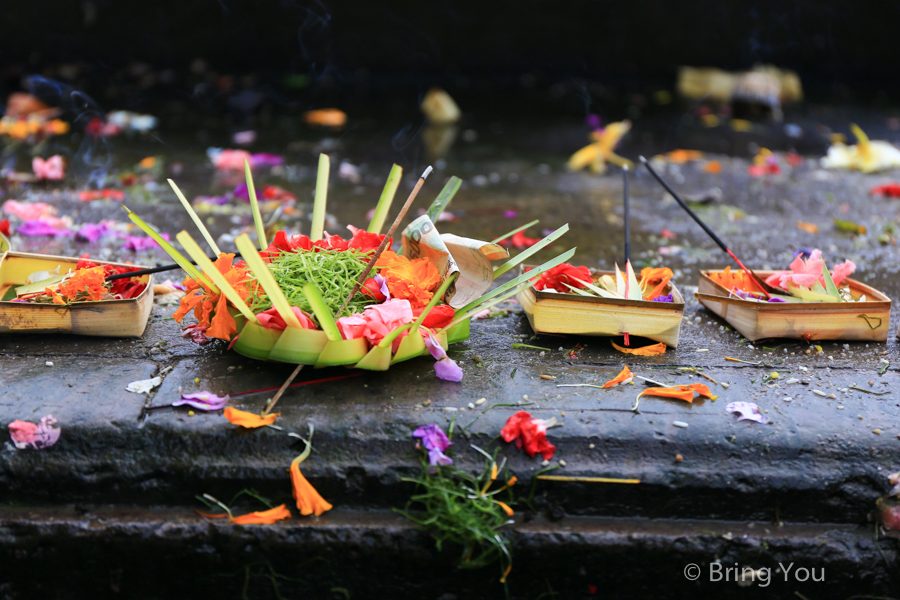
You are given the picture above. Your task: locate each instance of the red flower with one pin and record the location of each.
(530, 432)
(4, 227)
(520, 241)
(365, 241)
(439, 317)
(373, 289)
(888, 190)
(558, 276)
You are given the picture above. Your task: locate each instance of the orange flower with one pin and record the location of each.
(509, 512)
(412, 280)
(264, 517)
(681, 156)
(807, 227)
(624, 377)
(680, 392)
(713, 167)
(653, 350)
(729, 279)
(309, 501)
(247, 419)
(211, 309)
(88, 283)
(57, 299)
(661, 276)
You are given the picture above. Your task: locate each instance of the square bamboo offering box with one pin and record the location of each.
(112, 318)
(550, 312)
(866, 321)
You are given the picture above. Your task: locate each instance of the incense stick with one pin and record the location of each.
(627, 219)
(159, 269)
(383, 246)
(706, 228)
(277, 396)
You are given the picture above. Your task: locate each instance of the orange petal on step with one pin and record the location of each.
(248, 420)
(654, 350)
(624, 377)
(265, 517)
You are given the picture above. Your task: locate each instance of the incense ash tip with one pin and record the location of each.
(642, 159)
(427, 172)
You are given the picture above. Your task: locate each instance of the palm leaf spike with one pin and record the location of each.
(323, 314)
(190, 210)
(254, 206)
(386, 199)
(261, 271)
(633, 288)
(443, 199)
(318, 215)
(486, 305)
(620, 282)
(516, 260)
(177, 256)
(597, 290)
(195, 252)
(515, 231)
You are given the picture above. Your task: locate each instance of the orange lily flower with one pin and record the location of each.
(624, 377)
(729, 279)
(309, 501)
(649, 276)
(652, 350)
(248, 419)
(264, 517)
(680, 392)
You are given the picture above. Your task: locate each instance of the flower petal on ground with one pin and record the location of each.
(202, 400)
(309, 501)
(748, 411)
(265, 517)
(652, 350)
(624, 377)
(247, 419)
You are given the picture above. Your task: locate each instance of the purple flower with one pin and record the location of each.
(92, 232)
(510, 214)
(382, 284)
(137, 244)
(215, 200)
(594, 121)
(266, 160)
(37, 228)
(202, 400)
(445, 368)
(777, 300)
(664, 298)
(436, 442)
(242, 192)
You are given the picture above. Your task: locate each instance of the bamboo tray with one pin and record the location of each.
(861, 321)
(311, 347)
(111, 318)
(550, 312)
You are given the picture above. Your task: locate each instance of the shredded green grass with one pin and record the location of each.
(457, 509)
(334, 273)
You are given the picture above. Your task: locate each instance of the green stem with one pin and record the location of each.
(443, 199)
(195, 218)
(326, 321)
(434, 300)
(386, 199)
(254, 206)
(531, 251)
(318, 215)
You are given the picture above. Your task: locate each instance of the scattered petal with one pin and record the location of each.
(143, 386)
(748, 411)
(247, 419)
(626, 376)
(265, 517)
(202, 400)
(529, 432)
(652, 350)
(42, 435)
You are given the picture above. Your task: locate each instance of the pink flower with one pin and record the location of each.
(231, 160)
(377, 321)
(202, 400)
(842, 271)
(436, 443)
(272, 320)
(39, 436)
(28, 211)
(803, 272)
(38, 228)
(138, 243)
(52, 168)
(196, 332)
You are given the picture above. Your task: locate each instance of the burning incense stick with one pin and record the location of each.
(763, 285)
(383, 246)
(159, 269)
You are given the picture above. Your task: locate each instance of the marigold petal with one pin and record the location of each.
(248, 419)
(509, 512)
(623, 377)
(265, 517)
(679, 392)
(652, 350)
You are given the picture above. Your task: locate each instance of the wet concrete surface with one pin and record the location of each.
(822, 460)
